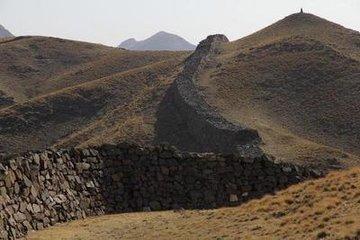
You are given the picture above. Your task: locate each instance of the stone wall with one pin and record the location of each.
(39, 189)
(188, 122)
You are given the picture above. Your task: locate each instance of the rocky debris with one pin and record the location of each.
(184, 114)
(40, 189)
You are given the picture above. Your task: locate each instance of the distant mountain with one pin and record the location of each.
(4, 33)
(159, 41)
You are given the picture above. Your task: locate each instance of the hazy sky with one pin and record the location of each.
(111, 21)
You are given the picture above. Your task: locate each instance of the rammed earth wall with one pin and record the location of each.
(39, 189)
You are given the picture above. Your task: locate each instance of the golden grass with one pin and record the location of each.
(294, 82)
(120, 90)
(304, 103)
(306, 25)
(36, 66)
(328, 207)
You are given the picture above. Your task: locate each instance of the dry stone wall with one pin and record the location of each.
(40, 189)
(187, 121)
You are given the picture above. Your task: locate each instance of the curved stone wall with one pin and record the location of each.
(40, 189)
(188, 122)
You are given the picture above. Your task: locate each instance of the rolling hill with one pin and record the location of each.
(160, 41)
(291, 87)
(296, 82)
(290, 90)
(68, 93)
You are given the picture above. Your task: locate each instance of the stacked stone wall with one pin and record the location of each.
(40, 189)
(185, 114)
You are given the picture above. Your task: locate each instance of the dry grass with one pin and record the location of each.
(296, 82)
(328, 207)
(35, 66)
(306, 25)
(93, 112)
(81, 94)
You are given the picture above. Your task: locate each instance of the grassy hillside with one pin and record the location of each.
(35, 66)
(66, 93)
(323, 209)
(342, 39)
(89, 112)
(297, 82)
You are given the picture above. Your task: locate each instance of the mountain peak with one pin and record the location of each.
(301, 16)
(161, 41)
(4, 33)
(163, 33)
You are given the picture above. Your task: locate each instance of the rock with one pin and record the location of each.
(19, 217)
(36, 158)
(59, 199)
(287, 169)
(33, 191)
(233, 198)
(90, 184)
(13, 164)
(36, 208)
(82, 166)
(27, 225)
(27, 181)
(9, 178)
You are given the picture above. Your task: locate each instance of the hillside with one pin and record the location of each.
(297, 83)
(35, 66)
(323, 209)
(159, 42)
(4, 33)
(252, 110)
(289, 89)
(56, 95)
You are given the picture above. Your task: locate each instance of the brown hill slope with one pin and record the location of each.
(297, 82)
(99, 110)
(334, 35)
(323, 209)
(66, 93)
(35, 66)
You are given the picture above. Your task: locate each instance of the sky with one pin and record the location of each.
(110, 22)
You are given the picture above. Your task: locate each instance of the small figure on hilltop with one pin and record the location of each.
(301, 10)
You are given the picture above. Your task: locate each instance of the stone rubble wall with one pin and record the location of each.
(40, 189)
(203, 124)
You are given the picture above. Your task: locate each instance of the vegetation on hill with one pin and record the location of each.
(67, 93)
(34, 66)
(296, 82)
